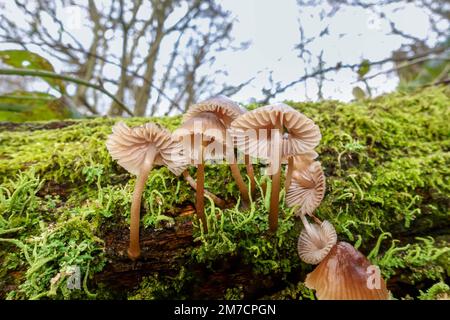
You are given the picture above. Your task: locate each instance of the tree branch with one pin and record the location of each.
(47, 74)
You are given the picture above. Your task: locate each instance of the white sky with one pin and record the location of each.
(274, 31)
(272, 26)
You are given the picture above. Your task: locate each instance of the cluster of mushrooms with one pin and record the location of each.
(275, 134)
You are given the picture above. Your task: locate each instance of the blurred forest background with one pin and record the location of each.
(76, 58)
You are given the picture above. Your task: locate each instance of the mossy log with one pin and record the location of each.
(64, 203)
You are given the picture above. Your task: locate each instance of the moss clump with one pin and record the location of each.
(386, 162)
(156, 287)
(421, 260)
(294, 292)
(439, 291)
(243, 232)
(45, 247)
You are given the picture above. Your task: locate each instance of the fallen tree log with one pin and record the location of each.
(65, 203)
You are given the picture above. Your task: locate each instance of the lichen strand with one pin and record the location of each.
(387, 167)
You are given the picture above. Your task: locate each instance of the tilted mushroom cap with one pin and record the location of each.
(344, 275)
(306, 157)
(129, 147)
(315, 244)
(224, 108)
(307, 189)
(303, 134)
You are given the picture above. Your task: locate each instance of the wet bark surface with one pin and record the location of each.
(164, 252)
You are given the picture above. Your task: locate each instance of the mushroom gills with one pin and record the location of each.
(315, 241)
(346, 274)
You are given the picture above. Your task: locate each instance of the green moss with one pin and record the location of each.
(439, 291)
(236, 293)
(242, 232)
(387, 166)
(420, 260)
(42, 247)
(157, 287)
(294, 292)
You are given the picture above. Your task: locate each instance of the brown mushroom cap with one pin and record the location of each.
(307, 188)
(315, 242)
(304, 159)
(300, 158)
(344, 275)
(224, 108)
(205, 126)
(303, 135)
(129, 147)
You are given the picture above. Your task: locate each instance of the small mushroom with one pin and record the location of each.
(138, 150)
(195, 134)
(298, 162)
(315, 241)
(346, 274)
(224, 108)
(279, 129)
(227, 111)
(307, 188)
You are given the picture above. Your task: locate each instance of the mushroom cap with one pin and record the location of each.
(205, 124)
(307, 188)
(344, 275)
(302, 135)
(223, 107)
(129, 147)
(314, 246)
(207, 127)
(300, 159)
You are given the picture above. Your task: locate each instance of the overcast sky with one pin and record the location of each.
(274, 31)
(272, 27)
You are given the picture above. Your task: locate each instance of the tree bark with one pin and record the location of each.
(164, 251)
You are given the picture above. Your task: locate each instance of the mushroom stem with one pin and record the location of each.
(240, 182)
(200, 199)
(315, 236)
(317, 220)
(290, 168)
(250, 173)
(134, 250)
(276, 177)
(274, 197)
(218, 201)
(200, 195)
(306, 224)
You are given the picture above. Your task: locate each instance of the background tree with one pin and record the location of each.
(414, 57)
(96, 38)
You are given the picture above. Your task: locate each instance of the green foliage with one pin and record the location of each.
(153, 287)
(236, 293)
(358, 93)
(239, 231)
(29, 60)
(439, 291)
(46, 250)
(418, 261)
(364, 68)
(430, 72)
(20, 106)
(294, 292)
